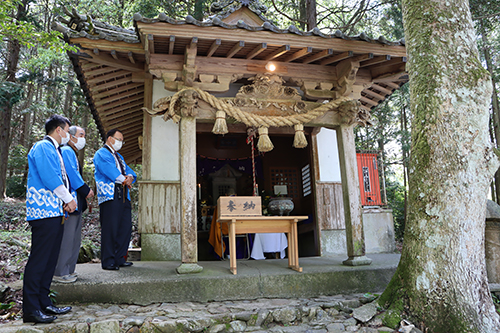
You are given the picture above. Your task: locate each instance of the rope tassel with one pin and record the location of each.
(264, 145)
(299, 141)
(220, 126)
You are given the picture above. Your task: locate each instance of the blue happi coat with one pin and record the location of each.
(44, 176)
(106, 172)
(71, 165)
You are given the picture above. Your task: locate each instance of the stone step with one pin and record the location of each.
(151, 282)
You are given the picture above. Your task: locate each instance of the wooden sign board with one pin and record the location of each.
(239, 206)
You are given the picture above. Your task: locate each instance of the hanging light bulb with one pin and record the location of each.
(270, 66)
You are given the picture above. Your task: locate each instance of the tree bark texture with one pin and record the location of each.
(311, 14)
(441, 280)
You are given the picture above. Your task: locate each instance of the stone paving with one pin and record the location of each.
(339, 313)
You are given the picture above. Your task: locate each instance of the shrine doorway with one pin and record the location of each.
(224, 167)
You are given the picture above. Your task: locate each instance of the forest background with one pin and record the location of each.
(37, 78)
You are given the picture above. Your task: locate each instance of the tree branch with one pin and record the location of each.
(285, 15)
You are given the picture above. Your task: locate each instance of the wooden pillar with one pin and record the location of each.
(147, 128)
(189, 237)
(352, 197)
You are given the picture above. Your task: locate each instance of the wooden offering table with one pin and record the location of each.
(244, 215)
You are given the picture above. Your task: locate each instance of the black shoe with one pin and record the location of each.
(127, 264)
(38, 317)
(57, 311)
(111, 268)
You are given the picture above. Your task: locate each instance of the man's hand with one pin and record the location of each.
(128, 181)
(70, 206)
(91, 194)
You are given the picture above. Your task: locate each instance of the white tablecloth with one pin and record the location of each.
(274, 242)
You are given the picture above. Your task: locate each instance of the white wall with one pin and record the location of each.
(164, 143)
(328, 156)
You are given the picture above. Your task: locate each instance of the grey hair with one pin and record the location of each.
(73, 129)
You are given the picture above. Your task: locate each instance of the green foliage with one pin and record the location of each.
(396, 201)
(10, 93)
(7, 306)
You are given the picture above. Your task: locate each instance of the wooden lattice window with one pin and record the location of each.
(287, 176)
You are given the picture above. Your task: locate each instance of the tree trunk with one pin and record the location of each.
(198, 9)
(494, 102)
(302, 14)
(441, 280)
(311, 14)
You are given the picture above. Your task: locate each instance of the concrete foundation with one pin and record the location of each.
(149, 282)
(160, 247)
(378, 226)
(333, 242)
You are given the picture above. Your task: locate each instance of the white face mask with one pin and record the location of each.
(80, 143)
(65, 139)
(117, 145)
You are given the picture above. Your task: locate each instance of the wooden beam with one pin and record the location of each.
(257, 50)
(364, 57)
(381, 89)
(282, 50)
(365, 108)
(236, 48)
(137, 103)
(110, 84)
(271, 38)
(122, 97)
(392, 85)
(215, 45)
(299, 54)
(171, 44)
(109, 61)
(100, 71)
(97, 95)
(338, 57)
(88, 65)
(120, 103)
(151, 43)
(368, 101)
(375, 61)
(194, 42)
(106, 77)
(317, 56)
(112, 116)
(223, 66)
(131, 57)
(374, 94)
(113, 54)
(124, 118)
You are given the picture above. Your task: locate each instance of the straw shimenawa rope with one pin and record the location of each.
(254, 120)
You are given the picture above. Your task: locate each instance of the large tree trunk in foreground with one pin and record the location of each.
(441, 281)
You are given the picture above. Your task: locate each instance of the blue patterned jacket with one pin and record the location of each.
(79, 190)
(106, 172)
(44, 176)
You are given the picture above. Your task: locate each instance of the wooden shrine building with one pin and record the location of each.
(186, 95)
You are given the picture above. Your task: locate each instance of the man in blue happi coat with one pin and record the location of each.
(114, 178)
(71, 241)
(47, 201)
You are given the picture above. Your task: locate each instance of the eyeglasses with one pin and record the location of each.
(122, 141)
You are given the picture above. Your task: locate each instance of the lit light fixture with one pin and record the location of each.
(271, 67)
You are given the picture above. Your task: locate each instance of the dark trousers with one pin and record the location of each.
(116, 228)
(46, 236)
